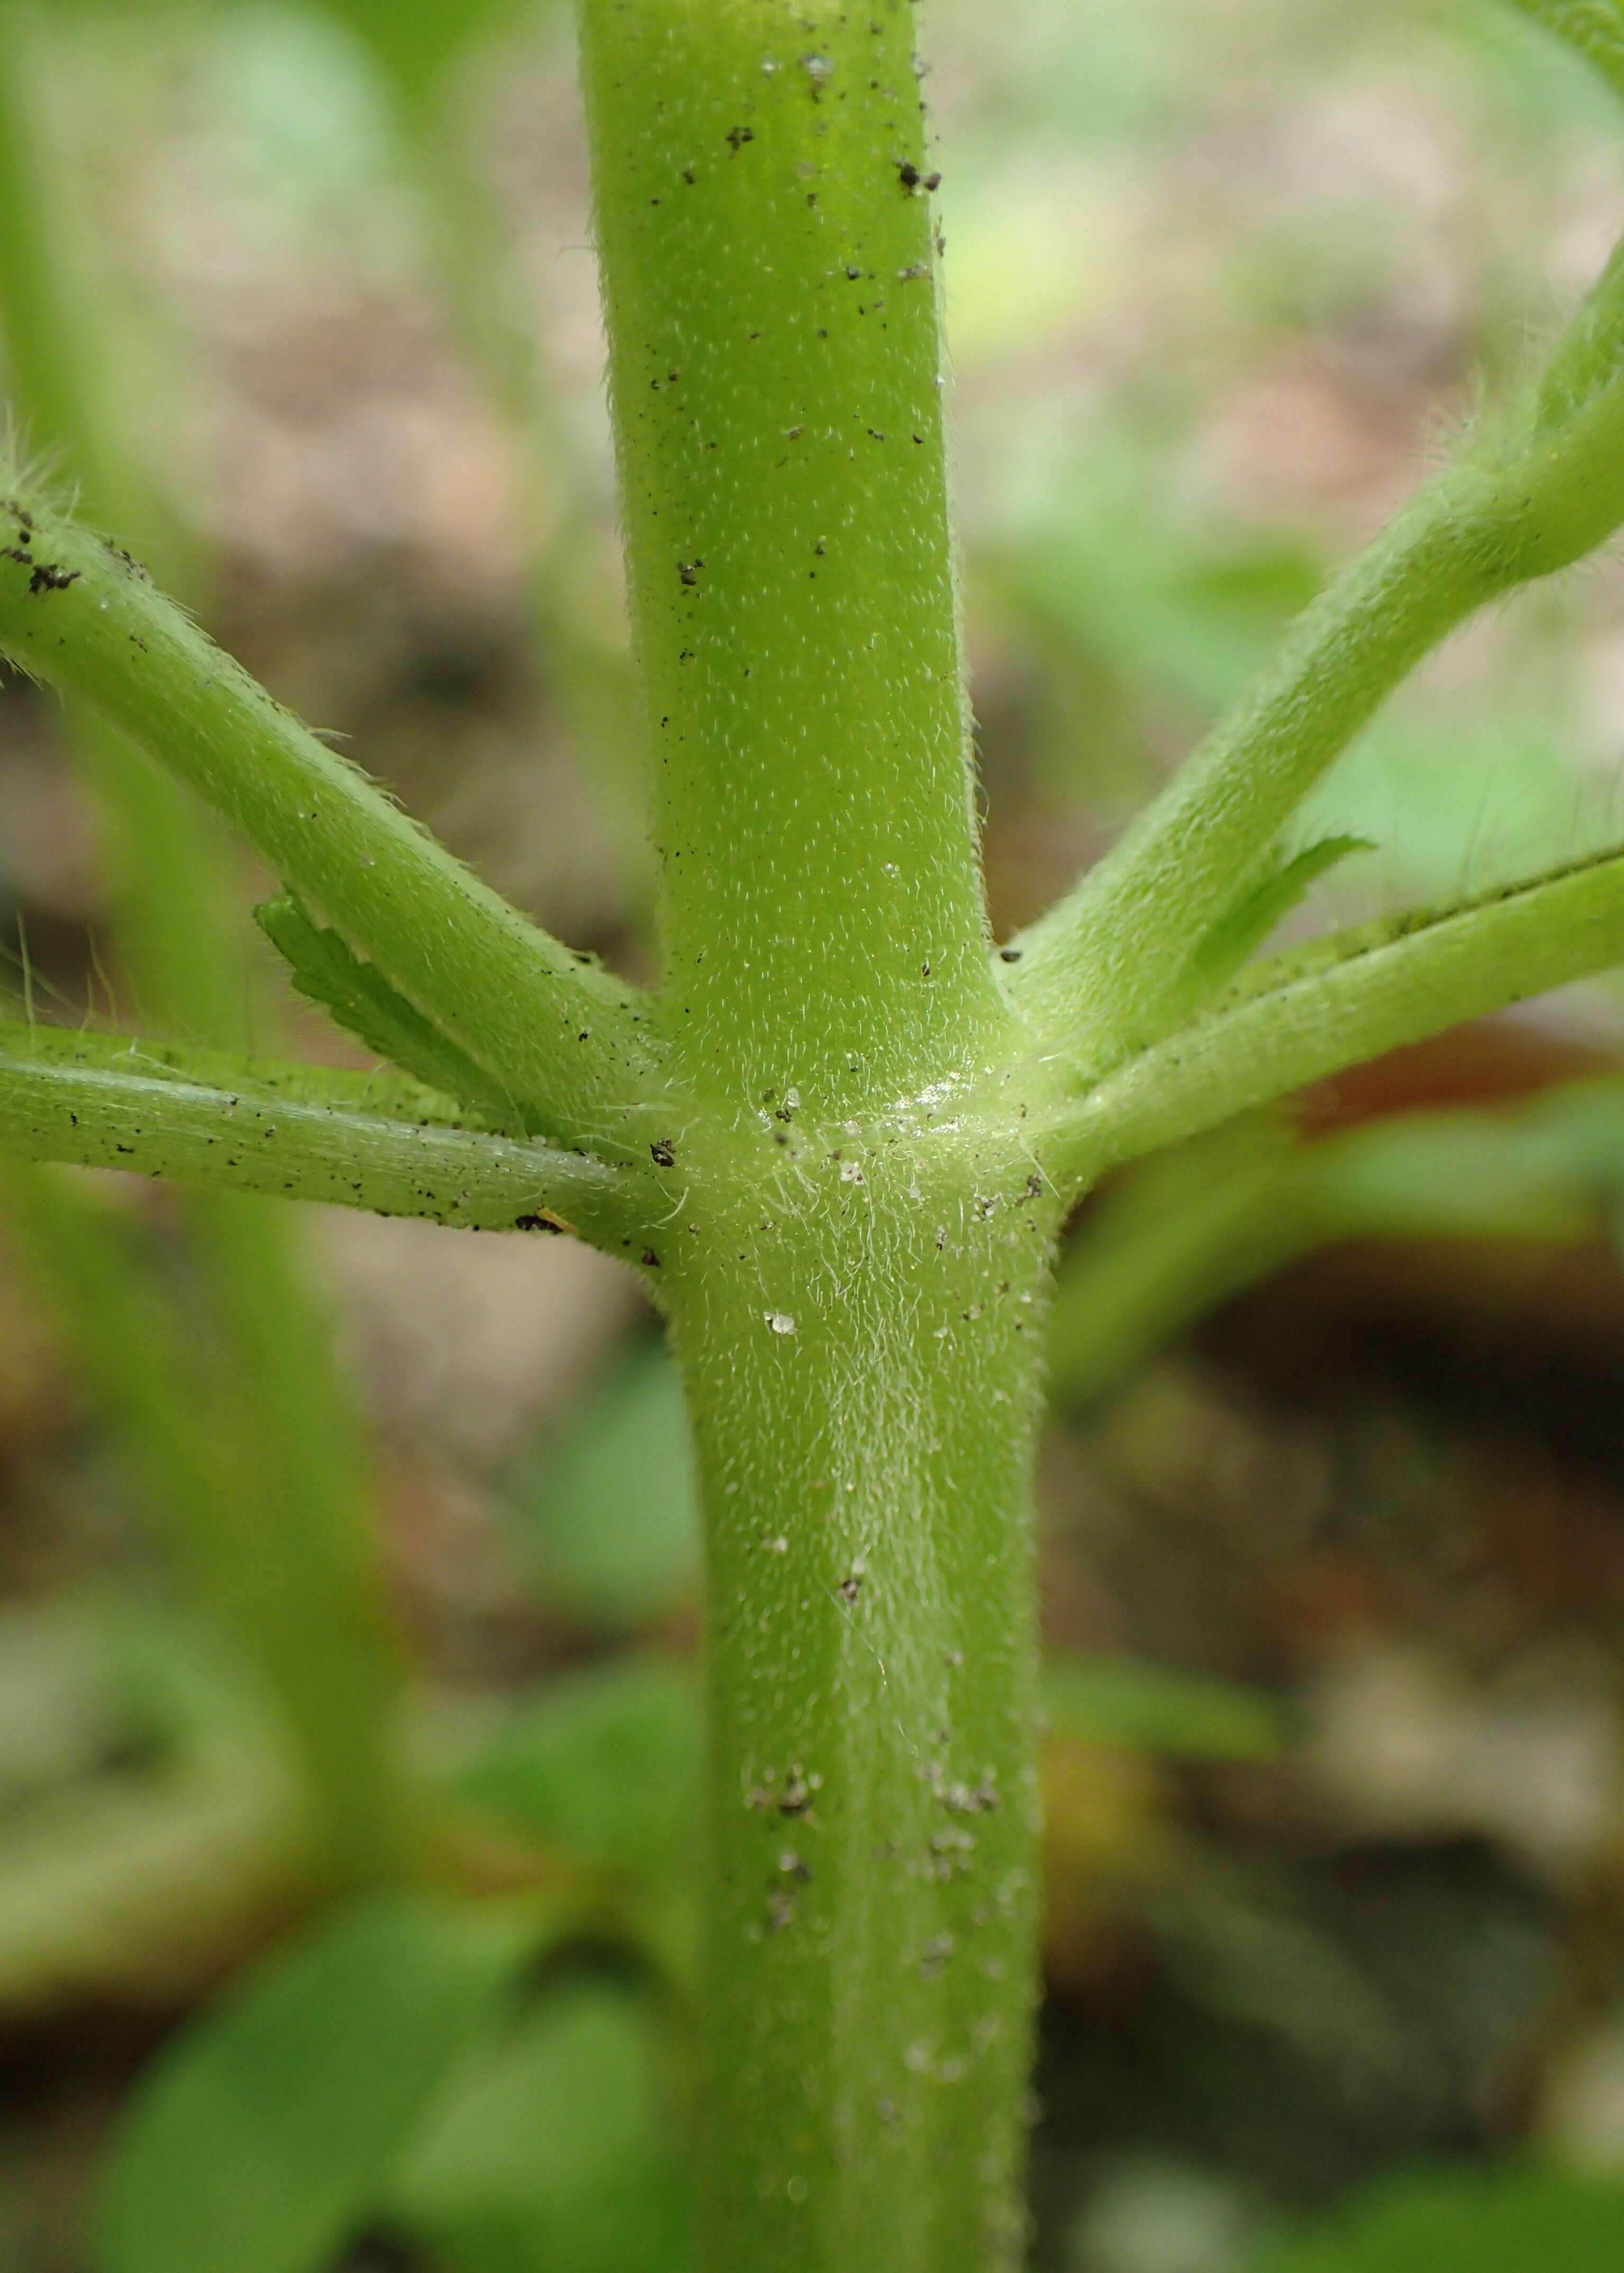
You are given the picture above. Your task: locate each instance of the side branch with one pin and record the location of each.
(1352, 1006)
(98, 1102)
(564, 1039)
(1111, 968)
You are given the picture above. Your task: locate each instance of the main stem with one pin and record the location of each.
(862, 1386)
(857, 1242)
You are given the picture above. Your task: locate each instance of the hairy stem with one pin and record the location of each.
(563, 1036)
(1109, 969)
(293, 1135)
(769, 278)
(852, 1286)
(1345, 1010)
(864, 1385)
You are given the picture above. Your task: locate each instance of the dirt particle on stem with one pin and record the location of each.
(50, 576)
(795, 1798)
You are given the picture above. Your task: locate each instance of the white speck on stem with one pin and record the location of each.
(780, 1321)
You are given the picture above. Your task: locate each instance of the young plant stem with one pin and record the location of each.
(232, 1126)
(852, 1276)
(1535, 489)
(837, 1148)
(765, 242)
(1342, 1009)
(565, 1037)
(862, 1364)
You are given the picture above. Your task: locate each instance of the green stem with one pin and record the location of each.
(864, 1387)
(563, 1037)
(854, 1276)
(1457, 967)
(293, 1134)
(769, 279)
(1109, 969)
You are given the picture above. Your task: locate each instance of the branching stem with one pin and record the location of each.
(1108, 970)
(569, 1042)
(1339, 1010)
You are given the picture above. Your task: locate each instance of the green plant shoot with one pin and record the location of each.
(840, 1136)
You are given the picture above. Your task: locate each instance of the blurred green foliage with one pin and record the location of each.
(267, 2133)
(607, 1520)
(554, 2152)
(601, 1766)
(1151, 1709)
(1468, 2222)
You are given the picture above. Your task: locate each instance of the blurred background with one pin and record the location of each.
(338, 1556)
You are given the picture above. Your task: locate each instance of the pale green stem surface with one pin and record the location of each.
(775, 375)
(1538, 489)
(853, 1279)
(561, 1035)
(1317, 1023)
(335, 1139)
(863, 1366)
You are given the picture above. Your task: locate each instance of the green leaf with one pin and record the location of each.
(1525, 2220)
(1150, 1709)
(1245, 928)
(549, 2153)
(262, 2140)
(358, 997)
(609, 1520)
(605, 1766)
